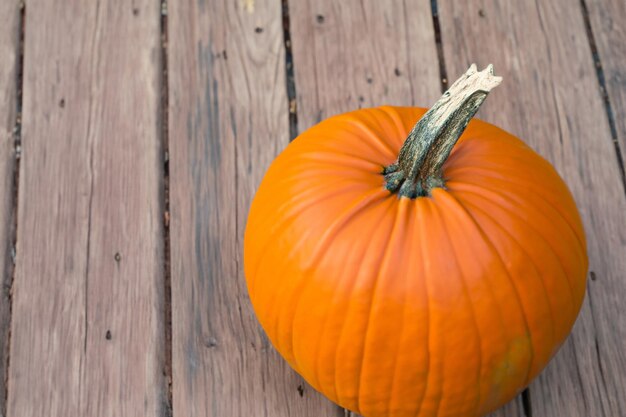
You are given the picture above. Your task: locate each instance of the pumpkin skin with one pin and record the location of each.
(446, 305)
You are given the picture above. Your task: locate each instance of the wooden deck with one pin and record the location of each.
(134, 134)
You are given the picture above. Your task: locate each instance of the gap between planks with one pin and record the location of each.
(17, 149)
(608, 108)
(526, 404)
(443, 73)
(289, 73)
(168, 406)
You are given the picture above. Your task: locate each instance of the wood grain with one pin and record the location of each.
(550, 98)
(9, 44)
(608, 22)
(87, 296)
(512, 409)
(228, 119)
(353, 54)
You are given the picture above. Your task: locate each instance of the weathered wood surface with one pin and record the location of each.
(88, 305)
(9, 45)
(512, 409)
(551, 99)
(87, 334)
(353, 54)
(608, 23)
(228, 119)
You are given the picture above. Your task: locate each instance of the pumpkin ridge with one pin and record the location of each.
(285, 222)
(342, 274)
(408, 226)
(342, 326)
(530, 262)
(494, 251)
(420, 215)
(347, 314)
(514, 180)
(399, 225)
(339, 160)
(363, 253)
(323, 333)
(272, 305)
(333, 144)
(394, 131)
(370, 133)
(361, 203)
(320, 250)
(317, 188)
(555, 255)
(573, 302)
(392, 113)
(376, 281)
(516, 201)
(462, 279)
(527, 186)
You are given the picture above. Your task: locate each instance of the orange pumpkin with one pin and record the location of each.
(434, 278)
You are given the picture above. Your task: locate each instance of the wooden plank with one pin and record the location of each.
(353, 54)
(87, 332)
(9, 44)
(608, 23)
(512, 409)
(550, 98)
(228, 118)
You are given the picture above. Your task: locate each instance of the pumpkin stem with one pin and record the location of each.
(419, 166)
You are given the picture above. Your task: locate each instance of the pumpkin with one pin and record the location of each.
(432, 276)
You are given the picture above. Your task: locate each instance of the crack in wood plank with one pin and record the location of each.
(443, 73)
(168, 406)
(292, 96)
(608, 107)
(13, 14)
